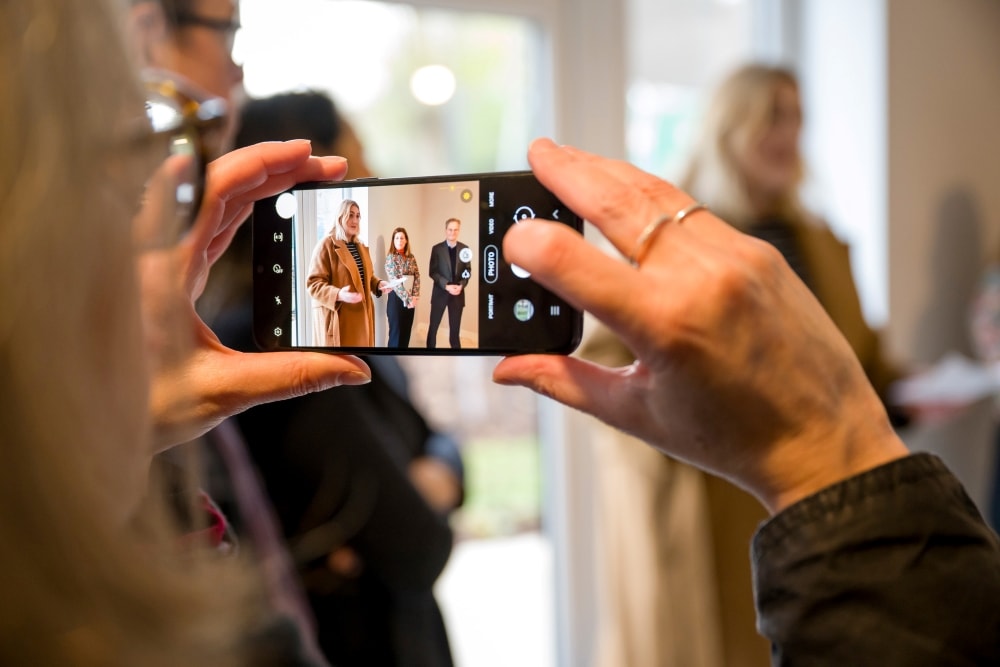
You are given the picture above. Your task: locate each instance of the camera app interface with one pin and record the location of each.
(363, 265)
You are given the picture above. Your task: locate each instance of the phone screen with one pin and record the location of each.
(406, 266)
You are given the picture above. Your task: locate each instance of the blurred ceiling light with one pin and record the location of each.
(433, 85)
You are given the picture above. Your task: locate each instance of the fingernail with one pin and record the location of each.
(354, 378)
(307, 142)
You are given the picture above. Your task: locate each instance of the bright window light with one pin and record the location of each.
(433, 85)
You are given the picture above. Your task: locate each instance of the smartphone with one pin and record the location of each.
(442, 287)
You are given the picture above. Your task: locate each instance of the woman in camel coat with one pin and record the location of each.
(343, 283)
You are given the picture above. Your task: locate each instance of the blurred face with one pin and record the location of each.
(770, 160)
(451, 232)
(399, 241)
(202, 51)
(352, 222)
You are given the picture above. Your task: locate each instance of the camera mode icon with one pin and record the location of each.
(523, 213)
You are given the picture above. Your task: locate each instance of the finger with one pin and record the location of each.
(246, 175)
(613, 395)
(255, 378)
(244, 169)
(220, 242)
(219, 382)
(562, 261)
(314, 169)
(617, 197)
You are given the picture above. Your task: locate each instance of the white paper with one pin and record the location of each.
(955, 379)
(396, 281)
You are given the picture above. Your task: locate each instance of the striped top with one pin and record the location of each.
(356, 254)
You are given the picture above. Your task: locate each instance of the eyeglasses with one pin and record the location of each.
(191, 125)
(227, 28)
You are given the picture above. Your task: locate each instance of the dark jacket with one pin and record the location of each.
(893, 567)
(334, 464)
(441, 273)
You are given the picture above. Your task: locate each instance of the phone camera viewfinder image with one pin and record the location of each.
(406, 266)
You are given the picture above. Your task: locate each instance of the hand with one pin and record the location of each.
(347, 296)
(196, 382)
(345, 562)
(413, 302)
(436, 483)
(454, 290)
(384, 286)
(739, 370)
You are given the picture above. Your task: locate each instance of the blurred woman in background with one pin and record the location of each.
(747, 166)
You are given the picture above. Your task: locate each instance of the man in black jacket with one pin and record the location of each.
(450, 270)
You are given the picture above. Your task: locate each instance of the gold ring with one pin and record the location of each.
(647, 234)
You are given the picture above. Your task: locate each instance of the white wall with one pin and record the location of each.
(943, 195)
(842, 65)
(902, 102)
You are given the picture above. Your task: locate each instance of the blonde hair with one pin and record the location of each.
(339, 231)
(88, 577)
(739, 113)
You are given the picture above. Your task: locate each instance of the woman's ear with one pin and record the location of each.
(147, 33)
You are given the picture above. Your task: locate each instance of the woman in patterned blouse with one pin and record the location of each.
(399, 263)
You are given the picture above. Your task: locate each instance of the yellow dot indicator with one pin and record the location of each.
(466, 196)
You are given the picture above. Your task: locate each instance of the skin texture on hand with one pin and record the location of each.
(740, 371)
(196, 382)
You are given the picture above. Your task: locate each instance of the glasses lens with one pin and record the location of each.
(184, 154)
(183, 168)
(187, 125)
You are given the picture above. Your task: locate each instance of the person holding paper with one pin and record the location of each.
(747, 166)
(400, 264)
(984, 326)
